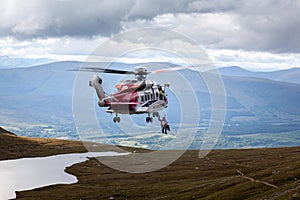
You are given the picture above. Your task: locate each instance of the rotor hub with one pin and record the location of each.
(141, 73)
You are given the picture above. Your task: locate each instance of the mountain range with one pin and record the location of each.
(37, 101)
(287, 75)
(7, 62)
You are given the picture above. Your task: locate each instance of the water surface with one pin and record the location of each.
(29, 173)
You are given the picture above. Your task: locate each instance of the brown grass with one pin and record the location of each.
(223, 174)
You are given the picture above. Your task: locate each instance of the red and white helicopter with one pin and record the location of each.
(133, 96)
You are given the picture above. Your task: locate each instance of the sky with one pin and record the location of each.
(258, 35)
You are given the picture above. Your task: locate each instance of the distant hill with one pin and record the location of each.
(53, 83)
(37, 101)
(7, 62)
(264, 96)
(287, 75)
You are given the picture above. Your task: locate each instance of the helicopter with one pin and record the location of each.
(134, 96)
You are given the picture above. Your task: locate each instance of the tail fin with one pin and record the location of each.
(96, 83)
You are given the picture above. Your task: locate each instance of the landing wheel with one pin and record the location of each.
(116, 119)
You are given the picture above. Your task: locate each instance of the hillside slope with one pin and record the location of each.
(13, 146)
(223, 174)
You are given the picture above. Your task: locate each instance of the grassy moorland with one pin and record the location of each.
(223, 174)
(13, 146)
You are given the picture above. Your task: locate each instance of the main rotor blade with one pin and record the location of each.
(171, 69)
(103, 70)
(115, 71)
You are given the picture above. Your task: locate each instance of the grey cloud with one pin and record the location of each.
(269, 25)
(147, 9)
(50, 18)
(272, 26)
(208, 6)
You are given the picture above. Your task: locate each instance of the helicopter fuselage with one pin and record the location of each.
(136, 97)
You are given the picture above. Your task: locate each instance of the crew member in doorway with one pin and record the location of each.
(161, 93)
(164, 125)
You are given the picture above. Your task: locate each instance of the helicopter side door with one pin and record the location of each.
(150, 101)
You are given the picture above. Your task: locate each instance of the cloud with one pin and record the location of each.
(147, 9)
(258, 61)
(60, 48)
(269, 25)
(211, 6)
(50, 18)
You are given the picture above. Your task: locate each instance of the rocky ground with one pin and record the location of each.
(222, 174)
